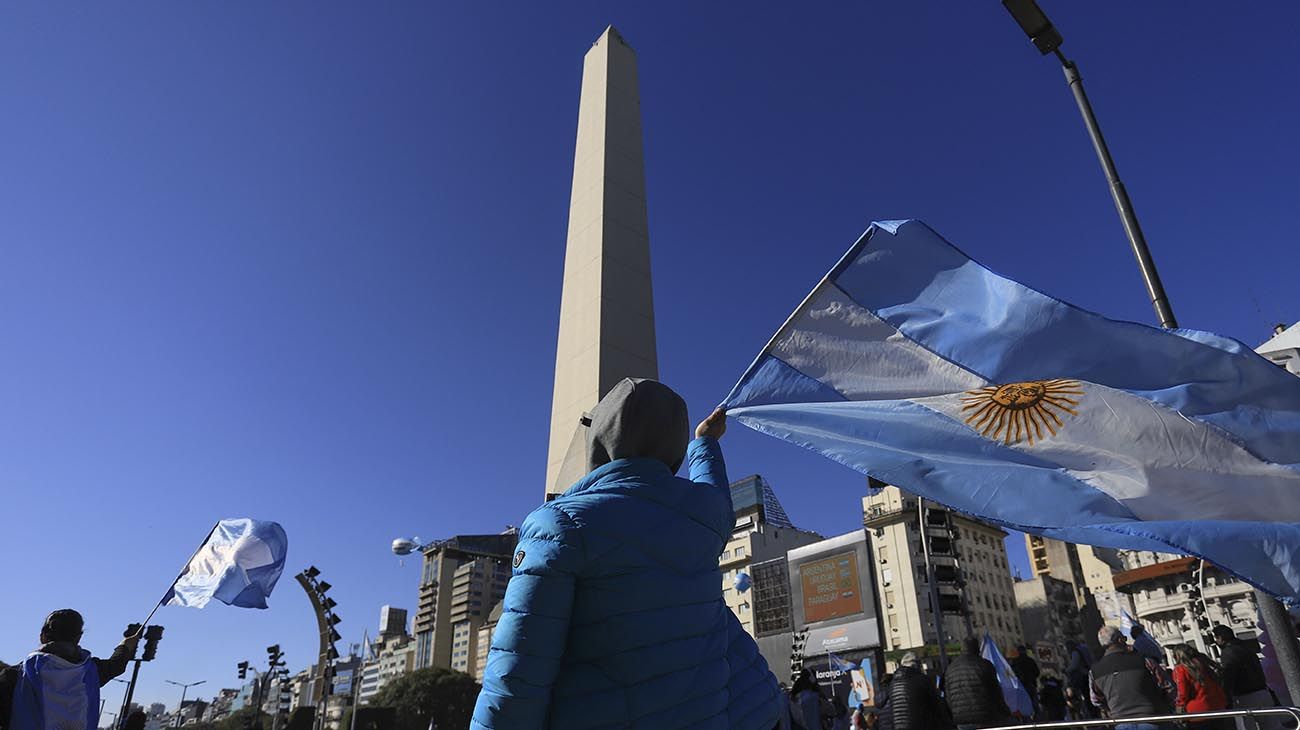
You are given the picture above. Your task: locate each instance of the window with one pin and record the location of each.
(740, 551)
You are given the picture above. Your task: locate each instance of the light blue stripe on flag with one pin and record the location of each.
(238, 565)
(916, 365)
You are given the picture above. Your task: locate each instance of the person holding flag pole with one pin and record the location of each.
(57, 686)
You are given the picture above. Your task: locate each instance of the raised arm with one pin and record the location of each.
(704, 454)
(529, 640)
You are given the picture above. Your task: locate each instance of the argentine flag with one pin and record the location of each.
(1015, 693)
(916, 365)
(238, 565)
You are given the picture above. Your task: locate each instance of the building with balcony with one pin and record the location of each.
(972, 552)
(762, 532)
(461, 579)
(1164, 588)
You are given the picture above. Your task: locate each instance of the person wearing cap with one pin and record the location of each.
(914, 703)
(614, 616)
(57, 686)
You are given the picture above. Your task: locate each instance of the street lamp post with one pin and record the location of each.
(1047, 39)
(184, 688)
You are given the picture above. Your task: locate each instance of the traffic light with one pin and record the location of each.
(274, 657)
(132, 630)
(151, 636)
(243, 670)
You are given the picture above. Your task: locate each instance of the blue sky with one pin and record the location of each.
(301, 261)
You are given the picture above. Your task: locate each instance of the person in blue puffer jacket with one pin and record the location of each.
(614, 615)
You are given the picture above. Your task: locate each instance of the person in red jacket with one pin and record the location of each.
(1198, 689)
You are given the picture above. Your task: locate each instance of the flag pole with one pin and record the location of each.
(1275, 617)
(184, 569)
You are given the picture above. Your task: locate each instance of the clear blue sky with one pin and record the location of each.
(301, 261)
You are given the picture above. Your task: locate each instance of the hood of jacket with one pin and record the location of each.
(638, 418)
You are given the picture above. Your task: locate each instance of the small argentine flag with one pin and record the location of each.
(914, 364)
(238, 565)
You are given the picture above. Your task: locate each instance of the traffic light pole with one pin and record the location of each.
(130, 693)
(935, 609)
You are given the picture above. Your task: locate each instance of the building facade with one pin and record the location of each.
(1169, 591)
(485, 640)
(1283, 348)
(461, 579)
(762, 532)
(977, 551)
(390, 655)
(1049, 613)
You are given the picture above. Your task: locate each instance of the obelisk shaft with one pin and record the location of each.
(607, 330)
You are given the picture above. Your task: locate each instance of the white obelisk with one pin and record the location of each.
(607, 327)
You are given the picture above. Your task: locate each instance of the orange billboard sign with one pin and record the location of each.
(830, 587)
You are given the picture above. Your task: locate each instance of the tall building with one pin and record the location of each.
(1078, 565)
(607, 330)
(390, 655)
(762, 532)
(977, 549)
(392, 621)
(460, 580)
(485, 640)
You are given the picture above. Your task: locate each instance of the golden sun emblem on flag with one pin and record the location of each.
(1018, 412)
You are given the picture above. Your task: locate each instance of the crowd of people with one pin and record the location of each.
(1134, 677)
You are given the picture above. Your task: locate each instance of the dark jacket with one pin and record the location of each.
(914, 702)
(106, 669)
(1026, 670)
(1051, 700)
(973, 693)
(1124, 685)
(1242, 673)
(614, 616)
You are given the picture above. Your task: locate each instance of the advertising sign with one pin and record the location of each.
(831, 587)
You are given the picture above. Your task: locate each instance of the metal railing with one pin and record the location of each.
(1292, 712)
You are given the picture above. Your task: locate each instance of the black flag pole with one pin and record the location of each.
(1047, 39)
(184, 569)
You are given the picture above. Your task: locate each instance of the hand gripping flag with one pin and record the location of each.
(238, 565)
(1015, 693)
(914, 364)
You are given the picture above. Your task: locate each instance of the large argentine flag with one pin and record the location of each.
(914, 364)
(237, 565)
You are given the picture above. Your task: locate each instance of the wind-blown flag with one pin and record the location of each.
(237, 565)
(914, 364)
(1015, 693)
(839, 665)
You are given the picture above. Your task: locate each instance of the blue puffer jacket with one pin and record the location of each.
(614, 616)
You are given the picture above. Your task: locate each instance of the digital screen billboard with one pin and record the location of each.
(831, 588)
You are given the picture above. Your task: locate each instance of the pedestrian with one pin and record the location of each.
(1146, 645)
(1198, 690)
(1125, 684)
(783, 719)
(1051, 699)
(806, 702)
(972, 690)
(1243, 677)
(57, 686)
(884, 713)
(914, 702)
(1076, 678)
(864, 718)
(1076, 707)
(616, 588)
(1027, 672)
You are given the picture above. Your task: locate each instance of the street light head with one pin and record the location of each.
(311, 572)
(322, 587)
(1035, 24)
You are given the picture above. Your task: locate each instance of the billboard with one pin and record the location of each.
(830, 587)
(833, 595)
